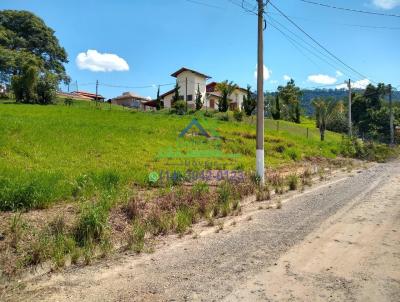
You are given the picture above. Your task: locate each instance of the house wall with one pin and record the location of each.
(193, 81)
(168, 100)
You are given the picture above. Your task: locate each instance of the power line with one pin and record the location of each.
(204, 4)
(135, 87)
(315, 41)
(350, 9)
(340, 24)
(308, 43)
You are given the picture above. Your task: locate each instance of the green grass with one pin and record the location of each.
(57, 152)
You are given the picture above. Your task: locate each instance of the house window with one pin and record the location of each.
(190, 97)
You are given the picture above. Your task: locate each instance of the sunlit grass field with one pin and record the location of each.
(47, 153)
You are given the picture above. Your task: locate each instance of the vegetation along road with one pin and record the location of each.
(337, 241)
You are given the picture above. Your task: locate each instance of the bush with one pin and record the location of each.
(179, 107)
(183, 219)
(136, 239)
(92, 224)
(238, 115)
(293, 182)
(209, 113)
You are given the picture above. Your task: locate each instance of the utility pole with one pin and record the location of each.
(391, 116)
(350, 123)
(97, 90)
(260, 96)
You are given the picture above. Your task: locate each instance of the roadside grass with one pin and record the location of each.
(57, 152)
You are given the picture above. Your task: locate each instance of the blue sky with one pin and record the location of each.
(155, 38)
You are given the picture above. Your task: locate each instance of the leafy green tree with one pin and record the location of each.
(23, 35)
(25, 83)
(226, 89)
(297, 118)
(47, 88)
(249, 102)
(199, 102)
(290, 96)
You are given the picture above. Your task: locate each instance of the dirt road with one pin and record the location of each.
(336, 242)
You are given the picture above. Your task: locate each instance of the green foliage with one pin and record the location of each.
(226, 89)
(290, 96)
(176, 96)
(199, 102)
(179, 107)
(92, 223)
(137, 236)
(293, 182)
(249, 102)
(238, 115)
(276, 114)
(183, 219)
(158, 100)
(23, 34)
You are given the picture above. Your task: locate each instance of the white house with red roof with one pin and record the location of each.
(190, 81)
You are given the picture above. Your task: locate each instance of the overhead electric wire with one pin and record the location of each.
(204, 4)
(315, 41)
(340, 24)
(350, 9)
(323, 58)
(135, 87)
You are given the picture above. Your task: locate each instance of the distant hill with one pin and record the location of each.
(338, 94)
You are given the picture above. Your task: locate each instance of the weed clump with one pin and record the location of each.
(293, 182)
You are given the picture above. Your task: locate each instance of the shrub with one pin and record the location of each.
(293, 182)
(263, 193)
(183, 219)
(209, 113)
(92, 224)
(137, 235)
(179, 107)
(238, 115)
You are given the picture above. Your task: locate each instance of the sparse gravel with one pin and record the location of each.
(216, 265)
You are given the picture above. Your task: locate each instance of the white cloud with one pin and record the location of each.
(287, 78)
(339, 73)
(273, 81)
(386, 4)
(321, 79)
(361, 84)
(267, 73)
(94, 61)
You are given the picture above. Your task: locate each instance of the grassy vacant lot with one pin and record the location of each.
(48, 153)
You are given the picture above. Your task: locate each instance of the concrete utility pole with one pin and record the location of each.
(391, 116)
(350, 123)
(260, 95)
(97, 90)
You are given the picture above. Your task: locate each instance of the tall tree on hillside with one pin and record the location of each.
(176, 96)
(276, 114)
(158, 100)
(199, 96)
(249, 102)
(290, 96)
(22, 35)
(226, 89)
(31, 59)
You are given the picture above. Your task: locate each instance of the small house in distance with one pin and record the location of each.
(132, 100)
(88, 96)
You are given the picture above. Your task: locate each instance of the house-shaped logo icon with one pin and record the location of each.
(194, 123)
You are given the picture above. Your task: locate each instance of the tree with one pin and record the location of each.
(158, 100)
(324, 111)
(290, 95)
(226, 89)
(176, 96)
(24, 85)
(276, 114)
(249, 102)
(22, 35)
(199, 102)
